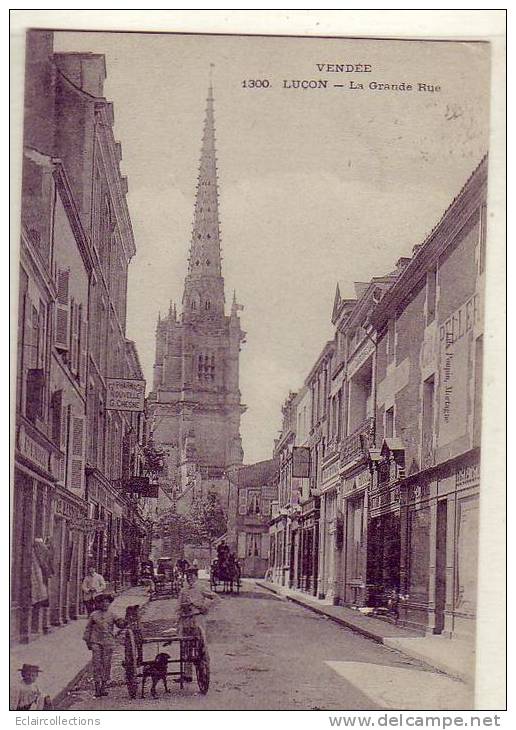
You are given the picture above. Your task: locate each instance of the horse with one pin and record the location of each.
(232, 575)
(226, 572)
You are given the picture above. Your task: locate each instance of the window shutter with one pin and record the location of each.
(265, 545)
(242, 502)
(34, 394)
(74, 336)
(76, 457)
(62, 313)
(83, 346)
(57, 409)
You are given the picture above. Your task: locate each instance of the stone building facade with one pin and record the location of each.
(425, 490)
(394, 454)
(254, 488)
(67, 449)
(194, 409)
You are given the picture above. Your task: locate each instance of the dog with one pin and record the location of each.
(157, 670)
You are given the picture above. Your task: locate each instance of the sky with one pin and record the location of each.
(317, 186)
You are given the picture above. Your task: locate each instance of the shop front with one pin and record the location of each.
(278, 547)
(38, 467)
(105, 541)
(385, 579)
(69, 556)
(439, 561)
(355, 477)
(355, 535)
(308, 557)
(329, 543)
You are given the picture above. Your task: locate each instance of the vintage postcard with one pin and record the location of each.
(251, 346)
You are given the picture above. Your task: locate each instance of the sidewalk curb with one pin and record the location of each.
(321, 612)
(384, 640)
(60, 696)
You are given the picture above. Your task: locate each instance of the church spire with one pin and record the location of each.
(204, 286)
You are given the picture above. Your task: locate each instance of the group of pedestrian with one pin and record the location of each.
(25, 693)
(101, 632)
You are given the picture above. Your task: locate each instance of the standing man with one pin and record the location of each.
(92, 586)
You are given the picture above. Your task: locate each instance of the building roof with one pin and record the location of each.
(255, 475)
(427, 252)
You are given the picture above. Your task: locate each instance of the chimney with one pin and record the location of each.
(87, 71)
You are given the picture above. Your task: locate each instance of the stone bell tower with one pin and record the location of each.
(194, 408)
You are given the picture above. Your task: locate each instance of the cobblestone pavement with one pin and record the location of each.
(270, 654)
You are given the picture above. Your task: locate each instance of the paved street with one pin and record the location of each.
(270, 654)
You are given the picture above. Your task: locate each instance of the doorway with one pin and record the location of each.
(440, 566)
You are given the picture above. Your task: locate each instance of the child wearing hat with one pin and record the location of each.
(100, 640)
(25, 693)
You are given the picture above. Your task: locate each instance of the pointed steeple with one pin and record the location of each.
(204, 286)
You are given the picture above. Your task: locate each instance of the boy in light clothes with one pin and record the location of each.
(92, 586)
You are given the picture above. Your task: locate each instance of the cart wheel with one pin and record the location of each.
(130, 664)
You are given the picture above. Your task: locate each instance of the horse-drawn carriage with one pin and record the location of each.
(167, 580)
(225, 571)
(139, 664)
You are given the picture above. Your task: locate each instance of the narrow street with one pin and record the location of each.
(270, 654)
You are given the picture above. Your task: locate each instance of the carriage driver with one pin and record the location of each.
(191, 612)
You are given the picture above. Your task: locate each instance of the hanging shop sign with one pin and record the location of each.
(142, 487)
(136, 484)
(125, 394)
(300, 462)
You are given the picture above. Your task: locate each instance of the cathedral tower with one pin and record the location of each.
(194, 408)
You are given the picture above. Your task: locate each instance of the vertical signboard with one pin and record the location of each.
(454, 371)
(300, 462)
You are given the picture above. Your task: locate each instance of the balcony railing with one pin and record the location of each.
(353, 446)
(256, 519)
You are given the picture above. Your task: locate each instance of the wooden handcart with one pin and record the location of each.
(188, 649)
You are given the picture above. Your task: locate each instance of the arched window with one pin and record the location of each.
(205, 367)
(207, 305)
